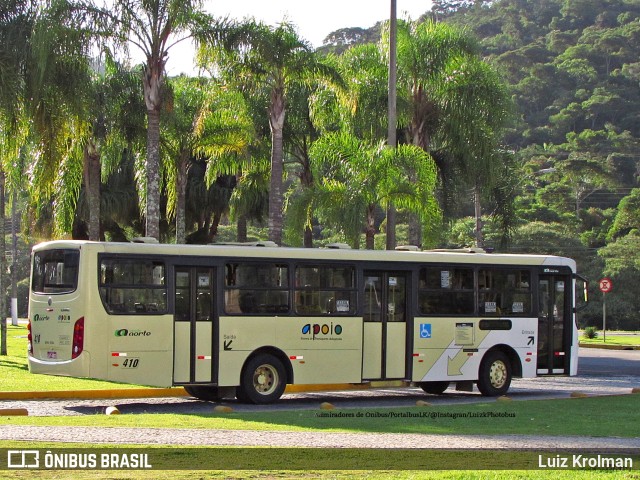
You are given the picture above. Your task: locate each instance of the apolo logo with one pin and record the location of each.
(317, 329)
(123, 332)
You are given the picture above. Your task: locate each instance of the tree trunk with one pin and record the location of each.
(92, 187)
(370, 231)
(152, 167)
(478, 213)
(420, 136)
(14, 258)
(391, 227)
(306, 180)
(181, 201)
(3, 264)
(213, 230)
(152, 88)
(307, 237)
(415, 230)
(276, 122)
(242, 228)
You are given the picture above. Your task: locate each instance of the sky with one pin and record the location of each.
(314, 19)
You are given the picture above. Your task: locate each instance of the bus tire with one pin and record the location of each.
(263, 380)
(434, 388)
(209, 394)
(494, 376)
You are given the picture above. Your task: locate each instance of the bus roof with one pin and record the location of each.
(462, 256)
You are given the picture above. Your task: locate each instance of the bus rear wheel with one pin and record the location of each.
(494, 377)
(263, 380)
(434, 388)
(210, 394)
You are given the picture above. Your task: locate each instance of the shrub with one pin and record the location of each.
(590, 332)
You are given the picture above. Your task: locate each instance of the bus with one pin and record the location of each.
(246, 321)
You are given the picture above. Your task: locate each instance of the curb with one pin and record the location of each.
(610, 347)
(95, 394)
(166, 392)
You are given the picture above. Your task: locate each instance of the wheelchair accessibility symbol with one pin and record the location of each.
(425, 330)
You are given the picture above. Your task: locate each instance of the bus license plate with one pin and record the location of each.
(52, 355)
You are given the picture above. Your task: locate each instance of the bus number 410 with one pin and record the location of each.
(130, 363)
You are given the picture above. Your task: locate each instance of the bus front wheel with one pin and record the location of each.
(263, 380)
(434, 388)
(494, 377)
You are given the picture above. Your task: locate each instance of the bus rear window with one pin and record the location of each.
(55, 271)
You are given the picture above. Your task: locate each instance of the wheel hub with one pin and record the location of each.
(264, 379)
(498, 374)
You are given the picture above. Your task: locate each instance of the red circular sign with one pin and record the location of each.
(606, 285)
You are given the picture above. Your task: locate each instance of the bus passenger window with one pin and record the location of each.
(446, 291)
(504, 292)
(256, 288)
(133, 286)
(324, 290)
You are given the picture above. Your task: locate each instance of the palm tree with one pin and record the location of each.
(154, 27)
(59, 81)
(205, 121)
(250, 198)
(356, 106)
(359, 104)
(16, 24)
(456, 103)
(478, 108)
(270, 59)
(425, 52)
(115, 114)
(359, 177)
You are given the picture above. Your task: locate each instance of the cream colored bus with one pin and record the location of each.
(225, 320)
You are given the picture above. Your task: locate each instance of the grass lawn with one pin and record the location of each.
(576, 416)
(612, 339)
(325, 474)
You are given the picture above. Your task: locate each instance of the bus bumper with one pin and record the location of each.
(78, 367)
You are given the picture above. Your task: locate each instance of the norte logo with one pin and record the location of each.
(40, 318)
(123, 332)
(317, 330)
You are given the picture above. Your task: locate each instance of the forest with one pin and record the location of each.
(517, 130)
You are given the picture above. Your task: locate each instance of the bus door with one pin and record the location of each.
(385, 325)
(194, 356)
(554, 324)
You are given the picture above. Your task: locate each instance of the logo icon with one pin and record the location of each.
(318, 330)
(23, 459)
(123, 332)
(425, 330)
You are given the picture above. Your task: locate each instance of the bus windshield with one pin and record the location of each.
(55, 271)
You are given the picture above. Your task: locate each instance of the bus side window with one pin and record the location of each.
(256, 288)
(232, 301)
(133, 286)
(446, 291)
(324, 290)
(504, 292)
(247, 302)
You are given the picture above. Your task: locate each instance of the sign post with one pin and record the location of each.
(606, 285)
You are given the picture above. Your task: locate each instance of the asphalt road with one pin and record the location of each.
(595, 362)
(600, 372)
